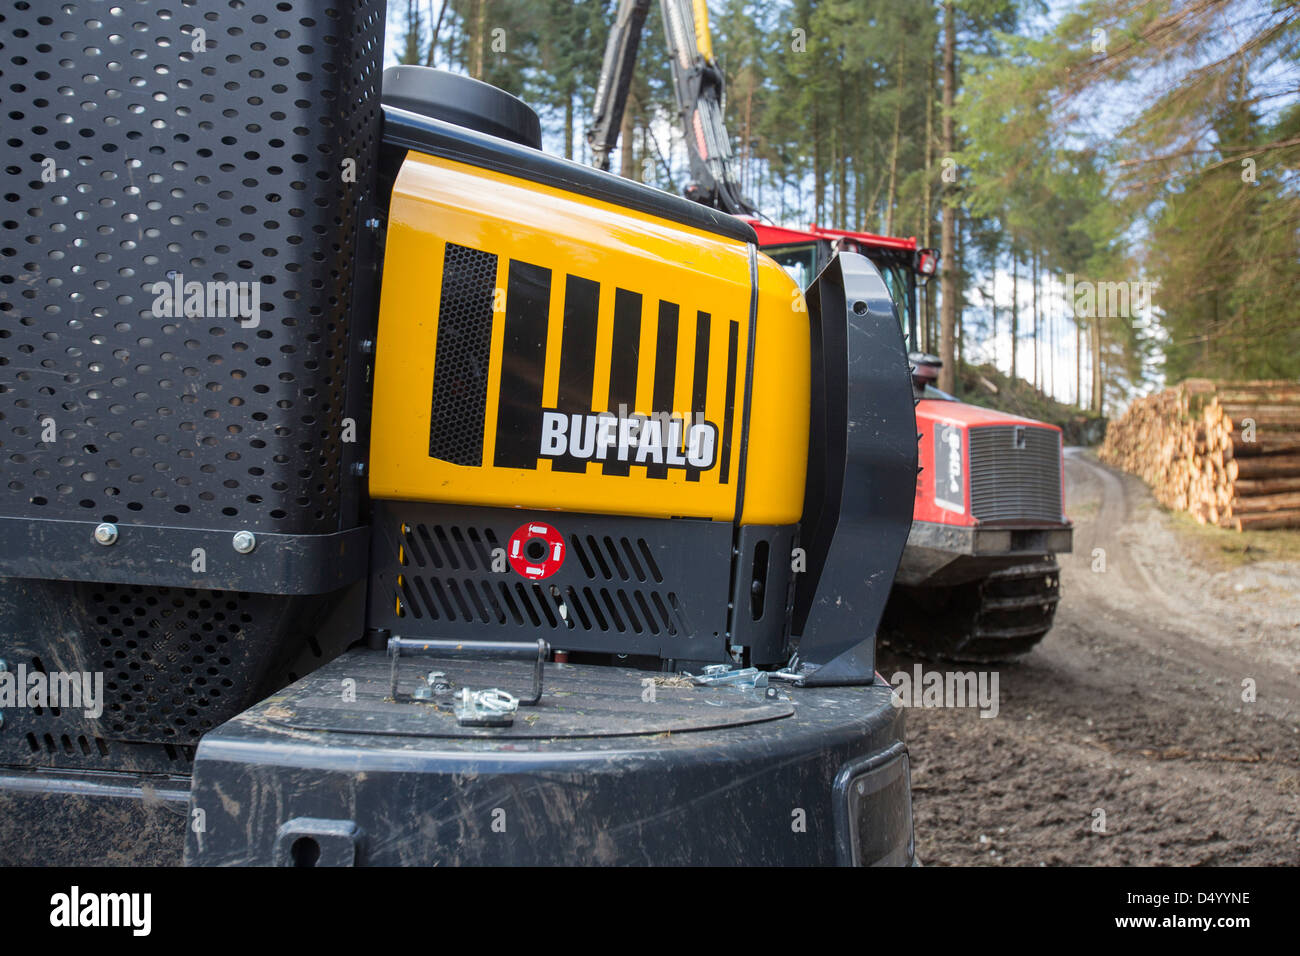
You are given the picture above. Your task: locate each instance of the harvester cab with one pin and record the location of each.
(506, 512)
(903, 266)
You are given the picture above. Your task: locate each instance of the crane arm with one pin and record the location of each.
(616, 79)
(698, 85)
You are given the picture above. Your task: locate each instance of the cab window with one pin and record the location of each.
(799, 261)
(896, 281)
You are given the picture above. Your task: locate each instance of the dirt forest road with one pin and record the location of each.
(1132, 706)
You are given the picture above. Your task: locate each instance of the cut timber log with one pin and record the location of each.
(1266, 486)
(1284, 416)
(1190, 444)
(1265, 446)
(1267, 466)
(1256, 504)
(1279, 519)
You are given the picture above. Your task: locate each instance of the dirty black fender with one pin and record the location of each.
(598, 773)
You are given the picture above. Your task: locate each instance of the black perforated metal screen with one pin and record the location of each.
(460, 370)
(137, 150)
(174, 663)
(149, 143)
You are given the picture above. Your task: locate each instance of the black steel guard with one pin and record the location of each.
(861, 472)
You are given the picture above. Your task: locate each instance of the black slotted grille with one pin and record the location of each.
(460, 370)
(623, 585)
(616, 558)
(1015, 473)
(456, 590)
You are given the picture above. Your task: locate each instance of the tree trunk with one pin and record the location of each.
(948, 293)
(927, 211)
(819, 183)
(961, 312)
(626, 139)
(1033, 269)
(842, 161)
(437, 28)
(568, 125)
(1051, 352)
(746, 143)
(859, 192)
(1015, 305)
(478, 39)
(411, 39)
(893, 151)
(1078, 362)
(1095, 328)
(993, 284)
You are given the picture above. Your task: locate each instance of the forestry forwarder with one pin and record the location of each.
(404, 559)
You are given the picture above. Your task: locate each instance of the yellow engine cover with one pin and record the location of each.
(539, 349)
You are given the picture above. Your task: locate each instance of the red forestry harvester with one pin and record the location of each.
(979, 578)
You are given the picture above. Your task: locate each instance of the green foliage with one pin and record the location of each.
(1102, 138)
(1161, 100)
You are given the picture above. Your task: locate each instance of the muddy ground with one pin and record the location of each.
(1132, 705)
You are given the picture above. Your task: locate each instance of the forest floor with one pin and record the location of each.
(1125, 737)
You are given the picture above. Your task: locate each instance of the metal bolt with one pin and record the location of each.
(106, 534)
(359, 469)
(438, 683)
(244, 542)
(367, 346)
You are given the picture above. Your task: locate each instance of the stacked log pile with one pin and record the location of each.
(1228, 453)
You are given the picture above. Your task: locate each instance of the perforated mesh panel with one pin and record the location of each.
(131, 158)
(175, 662)
(167, 656)
(460, 370)
(138, 151)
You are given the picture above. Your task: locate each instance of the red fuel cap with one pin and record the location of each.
(536, 550)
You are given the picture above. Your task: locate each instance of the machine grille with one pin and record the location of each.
(621, 584)
(460, 369)
(1015, 473)
(150, 142)
(174, 662)
(458, 585)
